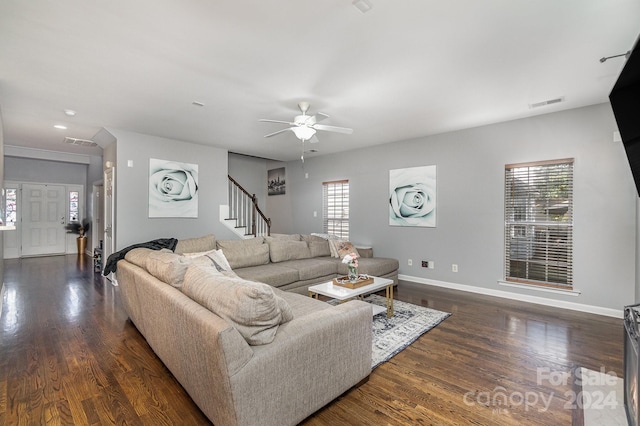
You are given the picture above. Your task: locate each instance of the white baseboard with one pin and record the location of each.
(598, 310)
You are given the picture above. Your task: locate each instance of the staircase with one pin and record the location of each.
(242, 215)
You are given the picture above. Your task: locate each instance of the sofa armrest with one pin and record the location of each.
(313, 359)
(365, 251)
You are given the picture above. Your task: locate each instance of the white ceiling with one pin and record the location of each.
(405, 69)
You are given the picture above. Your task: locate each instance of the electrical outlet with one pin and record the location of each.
(425, 263)
(454, 267)
(432, 265)
(410, 262)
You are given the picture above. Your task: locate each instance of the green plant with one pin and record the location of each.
(79, 228)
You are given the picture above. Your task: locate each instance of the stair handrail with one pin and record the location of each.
(255, 211)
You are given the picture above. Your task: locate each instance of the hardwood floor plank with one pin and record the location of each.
(69, 355)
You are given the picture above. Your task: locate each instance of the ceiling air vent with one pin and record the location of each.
(547, 102)
(79, 142)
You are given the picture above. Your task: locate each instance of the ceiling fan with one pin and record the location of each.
(304, 126)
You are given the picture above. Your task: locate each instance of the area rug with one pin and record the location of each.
(601, 399)
(392, 335)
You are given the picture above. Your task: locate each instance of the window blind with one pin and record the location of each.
(335, 208)
(539, 223)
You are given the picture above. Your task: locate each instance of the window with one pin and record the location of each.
(11, 200)
(74, 206)
(539, 223)
(335, 208)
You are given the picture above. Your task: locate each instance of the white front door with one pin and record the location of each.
(43, 219)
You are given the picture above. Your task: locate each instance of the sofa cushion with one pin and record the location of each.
(281, 250)
(251, 307)
(167, 266)
(196, 245)
(309, 269)
(319, 248)
(244, 253)
(302, 305)
(273, 274)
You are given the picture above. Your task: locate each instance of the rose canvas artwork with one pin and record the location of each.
(412, 196)
(173, 189)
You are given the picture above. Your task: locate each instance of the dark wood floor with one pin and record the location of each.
(70, 356)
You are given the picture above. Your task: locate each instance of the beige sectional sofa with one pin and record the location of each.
(248, 353)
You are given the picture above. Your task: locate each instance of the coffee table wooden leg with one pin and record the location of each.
(389, 291)
(313, 295)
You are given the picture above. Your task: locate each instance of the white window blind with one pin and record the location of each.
(335, 208)
(539, 223)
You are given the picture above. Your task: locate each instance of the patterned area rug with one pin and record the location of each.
(392, 335)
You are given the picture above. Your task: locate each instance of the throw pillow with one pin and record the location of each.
(250, 307)
(332, 247)
(344, 248)
(167, 266)
(213, 258)
(331, 238)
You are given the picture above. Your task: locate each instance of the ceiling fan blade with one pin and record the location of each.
(278, 132)
(277, 121)
(326, 128)
(314, 139)
(321, 116)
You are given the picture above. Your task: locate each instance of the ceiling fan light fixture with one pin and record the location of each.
(303, 132)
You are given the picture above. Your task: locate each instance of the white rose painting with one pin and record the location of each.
(173, 189)
(412, 196)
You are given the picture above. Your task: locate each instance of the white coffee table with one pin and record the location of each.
(343, 293)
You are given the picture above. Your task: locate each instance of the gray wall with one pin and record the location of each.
(45, 171)
(132, 195)
(470, 216)
(251, 173)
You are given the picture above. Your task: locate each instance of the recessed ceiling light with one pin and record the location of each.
(69, 112)
(60, 126)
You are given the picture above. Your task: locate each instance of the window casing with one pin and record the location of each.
(335, 208)
(539, 223)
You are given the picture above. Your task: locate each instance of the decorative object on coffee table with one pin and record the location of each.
(346, 281)
(351, 260)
